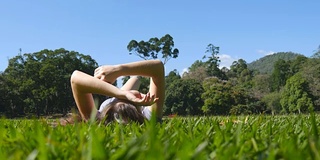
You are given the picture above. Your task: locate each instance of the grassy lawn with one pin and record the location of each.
(238, 137)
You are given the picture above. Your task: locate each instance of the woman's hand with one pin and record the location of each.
(106, 73)
(140, 99)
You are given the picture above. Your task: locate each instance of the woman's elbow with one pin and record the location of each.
(158, 62)
(74, 77)
(159, 65)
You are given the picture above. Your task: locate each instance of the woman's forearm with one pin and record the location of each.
(89, 84)
(149, 68)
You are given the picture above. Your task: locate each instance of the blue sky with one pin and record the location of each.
(247, 29)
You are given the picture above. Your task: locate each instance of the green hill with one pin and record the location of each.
(265, 64)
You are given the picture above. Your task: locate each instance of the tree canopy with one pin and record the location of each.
(183, 97)
(296, 97)
(150, 49)
(39, 82)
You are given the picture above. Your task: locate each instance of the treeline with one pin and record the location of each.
(291, 85)
(39, 84)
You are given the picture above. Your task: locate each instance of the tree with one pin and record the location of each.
(310, 71)
(285, 69)
(40, 81)
(200, 70)
(280, 74)
(296, 97)
(171, 77)
(216, 96)
(196, 65)
(272, 101)
(238, 66)
(12, 77)
(3, 93)
(150, 49)
(261, 85)
(196, 71)
(297, 64)
(183, 97)
(212, 62)
(239, 70)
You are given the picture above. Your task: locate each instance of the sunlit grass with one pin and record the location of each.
(239, 137)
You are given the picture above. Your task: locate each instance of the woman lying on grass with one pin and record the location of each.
(127, 104)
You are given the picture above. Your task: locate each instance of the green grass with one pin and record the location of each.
(241, 137)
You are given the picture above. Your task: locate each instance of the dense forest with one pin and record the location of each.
(36, 84)
(265, 64)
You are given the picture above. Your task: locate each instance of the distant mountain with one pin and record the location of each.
(265, 64)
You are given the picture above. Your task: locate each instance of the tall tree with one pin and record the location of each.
(169, 79)
(212, 62)
(280, 74)
(150, 49)
(296, 97)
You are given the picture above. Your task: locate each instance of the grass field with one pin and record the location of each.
(241, 137)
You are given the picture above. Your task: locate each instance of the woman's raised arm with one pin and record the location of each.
(150, 68)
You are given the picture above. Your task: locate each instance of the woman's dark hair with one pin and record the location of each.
(122, 112)
(119, 111)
